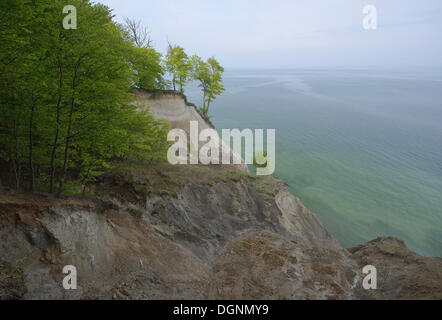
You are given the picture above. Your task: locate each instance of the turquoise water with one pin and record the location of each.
(361, 148)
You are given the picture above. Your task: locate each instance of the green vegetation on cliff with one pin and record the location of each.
(65, 111)
(65, 101)
(133, 181)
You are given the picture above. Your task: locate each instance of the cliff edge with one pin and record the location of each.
(192, 232)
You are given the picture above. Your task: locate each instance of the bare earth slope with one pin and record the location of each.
(177, 247)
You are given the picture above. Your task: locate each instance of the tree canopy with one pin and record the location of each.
(66, 112)
(65, 101)
(178, 65)
(209, 76)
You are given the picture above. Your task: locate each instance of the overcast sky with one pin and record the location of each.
(293, 33)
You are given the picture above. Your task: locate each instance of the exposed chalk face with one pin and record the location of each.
(173, 108)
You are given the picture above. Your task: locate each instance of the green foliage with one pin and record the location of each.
(178, 65)
(146, 63)
(132, 181)
(209, 75)
(11, 271)
(65, 109)
(148, 69)
(136, 212)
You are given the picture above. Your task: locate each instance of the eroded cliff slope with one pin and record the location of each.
(218, 240)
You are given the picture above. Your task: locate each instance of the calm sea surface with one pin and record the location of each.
(361, 148)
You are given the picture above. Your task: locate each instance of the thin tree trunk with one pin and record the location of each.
(181, 86)
(85, 180)
(57, 132)
(16, 165)
(18, 175)
(66, 148)
(16, 170)
(31, 149)
(68, 135)
(207, 110)
(11, 173)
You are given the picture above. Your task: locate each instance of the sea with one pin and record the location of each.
(361, 147)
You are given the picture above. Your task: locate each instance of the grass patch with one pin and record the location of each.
(11, 273)
(136, 212)
(266, 186)
(134, 181)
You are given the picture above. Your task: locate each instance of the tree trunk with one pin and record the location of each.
(18, 175)
(68, 134)
(31, 149)
(66, 148)
(84, 181)
(16, 171)
(57, 132)
(181, 85)
(15, 164)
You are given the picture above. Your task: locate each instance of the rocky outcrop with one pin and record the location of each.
(401, 273)
(185, 247)
(109, 247)
(265, 265)
(219, 241)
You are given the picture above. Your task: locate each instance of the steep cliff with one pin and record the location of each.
(220, 240)
(192, 232)
(173, 107)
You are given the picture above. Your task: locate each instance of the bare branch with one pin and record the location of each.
(139, 34)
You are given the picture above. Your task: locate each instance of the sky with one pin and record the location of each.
(275, 34)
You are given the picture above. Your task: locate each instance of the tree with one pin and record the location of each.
(147, 67)
(145, 61)
(24, 26)
(65, 101)
(209, 76)
(178, 65)
(137, 33)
